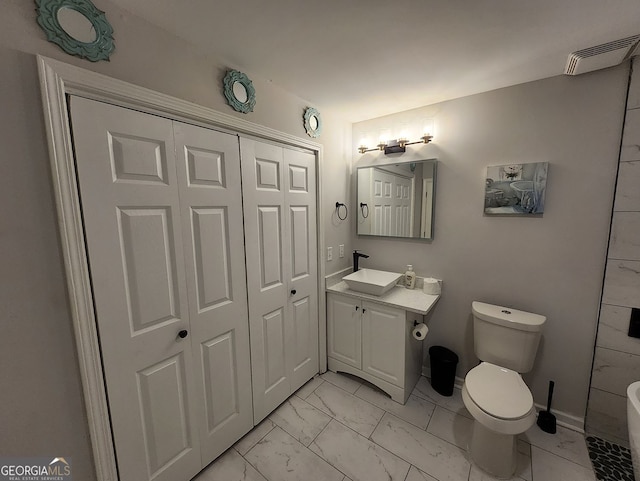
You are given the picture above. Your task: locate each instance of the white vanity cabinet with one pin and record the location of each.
(373, 341)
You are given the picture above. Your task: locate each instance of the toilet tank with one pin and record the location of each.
(506, 337)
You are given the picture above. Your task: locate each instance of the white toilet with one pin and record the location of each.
(506, 341)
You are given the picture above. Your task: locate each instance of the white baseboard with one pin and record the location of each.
(563, 419)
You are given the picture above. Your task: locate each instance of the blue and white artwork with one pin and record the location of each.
(516, 189)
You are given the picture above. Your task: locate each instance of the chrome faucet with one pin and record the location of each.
(356, 257)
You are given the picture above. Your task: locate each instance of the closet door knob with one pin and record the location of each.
(293, 292)
(182, 334)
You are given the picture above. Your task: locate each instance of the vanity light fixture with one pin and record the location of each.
(396, 146)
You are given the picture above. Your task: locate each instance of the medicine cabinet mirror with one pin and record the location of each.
(396, 200)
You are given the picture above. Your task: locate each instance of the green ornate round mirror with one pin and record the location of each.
(239, 91)
(312, 122)
(77, 27)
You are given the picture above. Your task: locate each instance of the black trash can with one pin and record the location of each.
(443, 369)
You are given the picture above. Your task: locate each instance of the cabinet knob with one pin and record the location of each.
(293, 292)
(364, 310)
(182, 334)
(357, 308)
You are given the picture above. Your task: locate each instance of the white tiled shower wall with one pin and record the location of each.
(617, 356)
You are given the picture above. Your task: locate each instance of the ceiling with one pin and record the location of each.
(368, 58)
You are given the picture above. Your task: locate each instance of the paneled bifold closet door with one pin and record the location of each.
(391, 195)
(279, 201)
(211, 212)
(163, 223)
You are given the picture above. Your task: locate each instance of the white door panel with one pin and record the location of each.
(303, 334)
(382, 327)
(208, 167)
(138, 159)
(270, 262)
(163, 218)
(147, 255)
(377, 188)
(163, 212)
(164, 414)
(210, 228)
(382, 202)
(280, 227)
(388, 188)
(391, 203)
(131, 211)
(344, 330)
(300, 202)
(273, 352)
(300, 258)
(222, 388)
(403, 203)
(263, 203)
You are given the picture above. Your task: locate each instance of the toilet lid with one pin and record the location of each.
(498, 391)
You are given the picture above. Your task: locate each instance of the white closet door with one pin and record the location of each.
(402, 186)
(279, 210)
(267, 268)
(130, 205)
(391, 203)
(208, 165)
(300, 205)
(383, 202)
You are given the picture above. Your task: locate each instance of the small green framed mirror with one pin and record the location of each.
(239, 91)
(312, 122)
(77, 27)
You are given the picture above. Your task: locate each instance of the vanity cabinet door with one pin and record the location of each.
(344, 324)
(383, 342)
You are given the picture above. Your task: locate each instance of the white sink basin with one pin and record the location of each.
(371, 281)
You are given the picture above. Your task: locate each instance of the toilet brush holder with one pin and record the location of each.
(546, 420)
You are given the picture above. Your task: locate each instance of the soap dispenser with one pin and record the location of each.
(410, 278)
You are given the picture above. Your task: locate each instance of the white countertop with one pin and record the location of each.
(413, 300)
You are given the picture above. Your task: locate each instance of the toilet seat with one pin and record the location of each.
(498, 391)
(499, 399)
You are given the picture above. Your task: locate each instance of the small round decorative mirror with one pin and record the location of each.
(77, 27)
(312, 122)
(239, 91)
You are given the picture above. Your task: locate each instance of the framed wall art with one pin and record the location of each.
(516, 189)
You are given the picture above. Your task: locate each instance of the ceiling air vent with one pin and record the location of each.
(601, 56)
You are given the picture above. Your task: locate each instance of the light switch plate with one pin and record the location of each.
(341, 247)
(329, 253)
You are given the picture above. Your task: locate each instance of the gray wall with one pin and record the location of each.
(617, 356)
(42, 409)
(552, 265)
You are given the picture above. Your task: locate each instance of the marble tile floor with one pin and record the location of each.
(337, 427)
